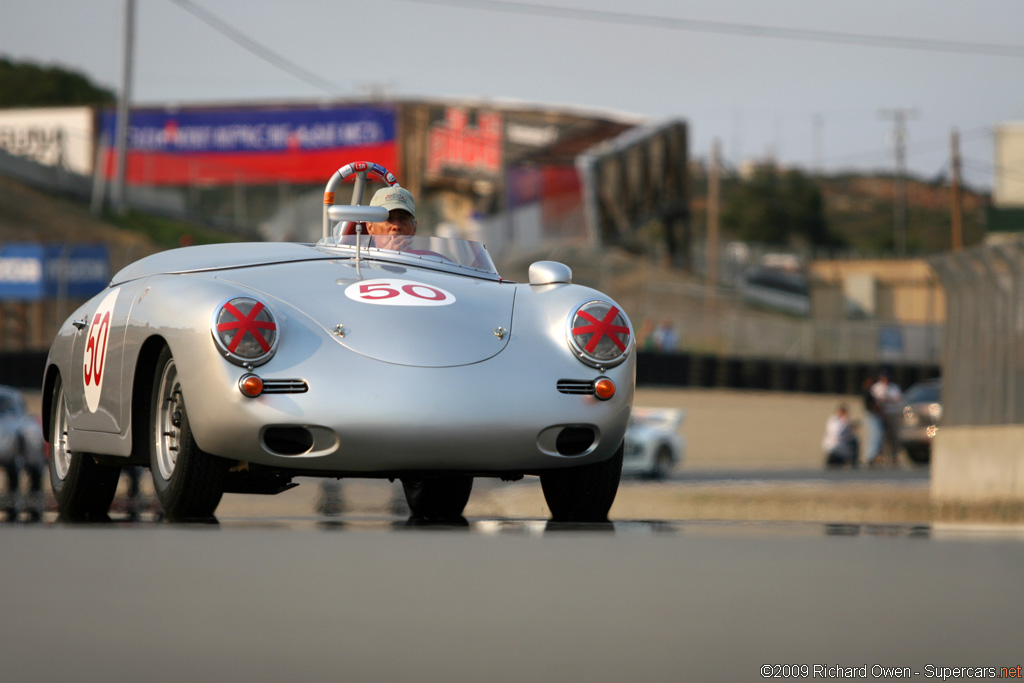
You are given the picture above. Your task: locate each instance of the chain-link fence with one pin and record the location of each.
(720, 321)
(983, 361)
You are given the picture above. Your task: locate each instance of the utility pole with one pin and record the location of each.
(714, 205)
(899, 118)
(117, 191)
(955, 194)
(818, 146)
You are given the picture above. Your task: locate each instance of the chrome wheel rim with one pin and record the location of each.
(59, 443)
(168, 427)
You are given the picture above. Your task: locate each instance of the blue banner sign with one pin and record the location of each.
(222, 146)
(30, 272)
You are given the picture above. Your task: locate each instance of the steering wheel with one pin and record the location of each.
(365, 167)
(361, 169)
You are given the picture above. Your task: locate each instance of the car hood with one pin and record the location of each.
(392, 313)
(211, 257)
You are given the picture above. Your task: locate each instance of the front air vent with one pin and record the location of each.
(288, 440)
(285, 386)
(574, 440)
(576, 386)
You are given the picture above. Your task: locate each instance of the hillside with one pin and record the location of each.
(859, 210)
(28, 215)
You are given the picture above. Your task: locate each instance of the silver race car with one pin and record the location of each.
(236, 367)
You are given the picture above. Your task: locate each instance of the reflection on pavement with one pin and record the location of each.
(540, 527)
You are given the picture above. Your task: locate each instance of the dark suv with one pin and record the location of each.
(918, 421)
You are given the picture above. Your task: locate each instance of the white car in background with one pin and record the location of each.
(22, 451)
(654, 445)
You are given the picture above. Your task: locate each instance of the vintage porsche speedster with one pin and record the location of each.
(237, 367)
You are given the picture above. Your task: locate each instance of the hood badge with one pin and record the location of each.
(339, 330)
(500, 332)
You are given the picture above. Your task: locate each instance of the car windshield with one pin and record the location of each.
(922, 393)
(440, 252)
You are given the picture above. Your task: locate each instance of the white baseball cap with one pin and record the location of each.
(392, 198)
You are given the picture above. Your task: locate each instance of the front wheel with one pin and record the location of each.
(82, 487)
(188, 482)
(585, 493)
(662, 463)
(437, 498)
(919, 455)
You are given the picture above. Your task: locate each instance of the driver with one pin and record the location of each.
(397, 231)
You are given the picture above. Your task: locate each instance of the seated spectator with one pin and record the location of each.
(840, 442)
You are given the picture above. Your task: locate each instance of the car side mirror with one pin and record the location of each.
(550, 273)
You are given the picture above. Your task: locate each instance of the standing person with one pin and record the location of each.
(873, 419)
(645, 338)
(888, 396)
(840, 441)
(134, 503)
(665, 338)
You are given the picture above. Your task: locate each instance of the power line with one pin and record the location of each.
(931, 144)
(729, 28)
(916, 147)
(257, 48)
(1014, 174)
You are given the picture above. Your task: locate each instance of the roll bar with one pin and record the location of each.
(341, 212)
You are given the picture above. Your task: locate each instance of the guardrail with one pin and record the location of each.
(23, 369)
(731, 372)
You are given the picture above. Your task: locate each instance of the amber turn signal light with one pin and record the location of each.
(604, 388)
(251, 385)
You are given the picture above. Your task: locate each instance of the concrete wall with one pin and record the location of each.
(974, 463)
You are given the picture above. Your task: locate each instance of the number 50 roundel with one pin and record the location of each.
(94, 361)
(394, 292)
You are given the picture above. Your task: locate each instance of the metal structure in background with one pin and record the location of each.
(983, 361)
(117, 198)
(731, 329)
(634, 179)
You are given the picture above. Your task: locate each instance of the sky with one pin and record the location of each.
(806, 82)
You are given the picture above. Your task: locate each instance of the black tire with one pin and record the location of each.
(82, 487)
(437, 498)
(662, 463)
(585, 493)
(188, 481)
(9, 497)
(919, 455)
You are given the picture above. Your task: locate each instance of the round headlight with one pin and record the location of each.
(245, 331)
(599, 333)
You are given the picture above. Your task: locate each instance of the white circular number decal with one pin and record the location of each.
(96, 351)
(389, 292)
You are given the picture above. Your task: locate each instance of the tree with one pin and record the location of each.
(777, 208)
(23, 84)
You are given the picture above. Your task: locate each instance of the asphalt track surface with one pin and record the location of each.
(376, 597)
(864, 475)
